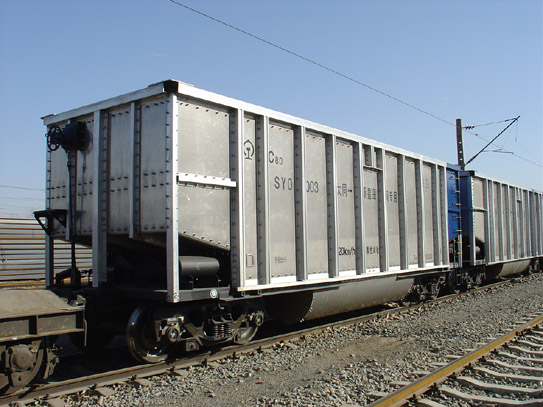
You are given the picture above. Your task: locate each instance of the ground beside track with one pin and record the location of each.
(343, 365)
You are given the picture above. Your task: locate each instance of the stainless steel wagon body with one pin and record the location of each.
(296, 203)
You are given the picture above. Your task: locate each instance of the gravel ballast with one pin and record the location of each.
(342, 366)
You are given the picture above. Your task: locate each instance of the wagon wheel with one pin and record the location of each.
(141, 338)
(245, 334)
(26, 362)
(248, 327)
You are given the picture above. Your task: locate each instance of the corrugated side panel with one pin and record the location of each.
(479, 209)
(282, 211)
(346, 209)
(134, 145)
(428, 210)
(315, 187)
(411, 213)
(22, 251)
(393, 214)
(306, 230)
(204, 209)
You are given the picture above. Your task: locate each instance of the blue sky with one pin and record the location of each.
(476, 60)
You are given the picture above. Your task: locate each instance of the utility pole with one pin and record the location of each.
(460, 144)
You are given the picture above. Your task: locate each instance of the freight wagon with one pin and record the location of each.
(207, 215)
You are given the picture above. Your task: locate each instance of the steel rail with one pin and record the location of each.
(420, 386)
(132, 374)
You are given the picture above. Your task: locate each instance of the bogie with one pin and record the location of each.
(158, 332)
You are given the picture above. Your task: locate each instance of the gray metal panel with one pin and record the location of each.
(345, 209)
(506, 223)
(100, 190)
(526, 212)
(539, 223)
(525, 223)
(203, 139)
(531, 218)
(134, 170)
(250, 198)
(392, 210)
(154, 154)
(428, 209)
(411, 213)
(521, 223)
(487, 221)
(282, 210)
(537, 220)
(371, 218)
(489, 228)
(369, 156)
(478, 194)
(436, 214)
(493, 208)
(204, 213)
(479, 211)
(119, 160)
(317, 223)
(204, 153)
(534, 204)
(499, 221)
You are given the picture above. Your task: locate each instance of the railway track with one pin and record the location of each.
(99, 383)
(507, 371)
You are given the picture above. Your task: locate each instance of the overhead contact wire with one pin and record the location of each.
(26, 189)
